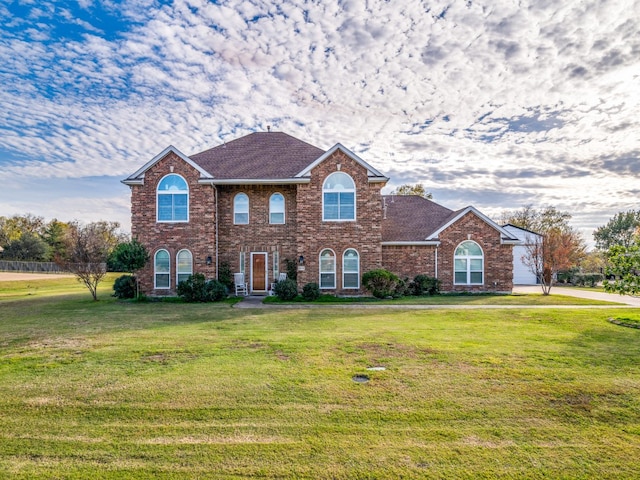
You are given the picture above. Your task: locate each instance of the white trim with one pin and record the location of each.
(508, 237)
(178, 273)
(355, 199)
(138, 177)
(468, 259)
(371, 172)
(284, 209)
(155, 283)
(266, 271)
(320, 272)
(345, 272)
(422, 243)
(172, 207)
(254, 181)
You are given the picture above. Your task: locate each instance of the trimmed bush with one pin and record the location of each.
(311, 292)
(425, 285)
(197, 289)
(380, 282)
(588, 279)
(286, 289)
(125, 287)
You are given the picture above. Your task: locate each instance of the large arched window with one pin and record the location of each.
(327, 269)
(173, 199)
(276, 208)
(162, 269)
(241, 209)
(184, 265)
(468, 264)
(338, 197)
(350, 269)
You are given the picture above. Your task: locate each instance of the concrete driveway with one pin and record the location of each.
(576, 292)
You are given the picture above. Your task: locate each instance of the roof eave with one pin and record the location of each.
(254, 181)
(412, 243)
(372, 171)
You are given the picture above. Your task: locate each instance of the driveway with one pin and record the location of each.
(576, 292)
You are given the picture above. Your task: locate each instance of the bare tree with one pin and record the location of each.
(556, 250)
(87, 250)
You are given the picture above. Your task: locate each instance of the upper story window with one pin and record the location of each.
(241, 209)
(339, 198)
(173, 199)
(276, 208)
(468, 264)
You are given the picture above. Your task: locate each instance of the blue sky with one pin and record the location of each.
(496, 104)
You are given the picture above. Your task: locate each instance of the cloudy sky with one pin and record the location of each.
(491, 103)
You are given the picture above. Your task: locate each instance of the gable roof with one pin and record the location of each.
(137, 178)
(258, 156)
(411, 219)
(372, 173)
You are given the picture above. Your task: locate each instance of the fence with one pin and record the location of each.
(29, 267)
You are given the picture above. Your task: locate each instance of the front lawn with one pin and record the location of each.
(164, 390)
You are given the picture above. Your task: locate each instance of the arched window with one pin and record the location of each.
(327, 269)
(276, 208)
(173, 199)
(184, 265)
(338, 197)
(468, 264)
(162, 269)
(241, 209)
(350, 269)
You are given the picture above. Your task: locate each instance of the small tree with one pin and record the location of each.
(417, 189)
(622, 229)
(28, 248)
(624, 267)
(556, 250)
(86, 253)
(130, 257)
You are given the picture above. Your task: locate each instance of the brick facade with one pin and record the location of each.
(305, 233)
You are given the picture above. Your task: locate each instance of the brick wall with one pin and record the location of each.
(363, 234)
(407, 261)
(198, 235)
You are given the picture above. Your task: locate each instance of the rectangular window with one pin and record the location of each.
(460, 270)
(331, 206)
(327, 280)
(276, 265)
(180, 203)
(277, 218)
(347, 206)
(241, 262)
(475, 271)
(165, 207)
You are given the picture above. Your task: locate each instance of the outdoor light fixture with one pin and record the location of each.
(301, 260)
(209, 260)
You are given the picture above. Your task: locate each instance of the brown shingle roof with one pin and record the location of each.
(410, 218)
(260, 155)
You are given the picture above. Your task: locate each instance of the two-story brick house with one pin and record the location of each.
(267, 197)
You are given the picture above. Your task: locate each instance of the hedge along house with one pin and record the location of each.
(267, 197)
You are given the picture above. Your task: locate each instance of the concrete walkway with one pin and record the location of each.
(254, 301)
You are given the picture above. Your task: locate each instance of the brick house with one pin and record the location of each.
(268, 197)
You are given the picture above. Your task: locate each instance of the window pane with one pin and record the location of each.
(350, 280)
(182, 277)
(162, 280)
(331, 206)
(476, 277)
(461, 265)
(184, 262)
(165, 207)
(327, 280)
(476, 264)
(276, 218)
(162, 262)
(327, 264)
(241, 218)
(351, 264)
(468, 249)
(180, 206)
(347, 208)
(339, 181)
(173, 183)
(461, 277)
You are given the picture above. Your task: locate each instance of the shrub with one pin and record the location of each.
(197, 289)
(588, 279)
(286, 289)
(381, 283)
(224, 275)
(425, 285)
(311, 292)
(403, 288)
(292, 268)
(125, 287)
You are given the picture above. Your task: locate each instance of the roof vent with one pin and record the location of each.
(268, 128)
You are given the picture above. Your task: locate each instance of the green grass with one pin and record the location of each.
(163, 390)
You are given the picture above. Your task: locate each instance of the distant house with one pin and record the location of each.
(522, 274)
(267, 197)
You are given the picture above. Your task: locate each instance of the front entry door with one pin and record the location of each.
(259, 272)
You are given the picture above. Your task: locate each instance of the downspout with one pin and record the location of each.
(436, 263)
(217, 225)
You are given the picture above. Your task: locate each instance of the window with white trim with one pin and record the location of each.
(241, 262)
(276, 208)
(184, 266)
(276, 264)
(162, 269)
(241, 209)
(468, 264)
(172, 199)
(338, 198)
(327, 269)
(350, 269)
